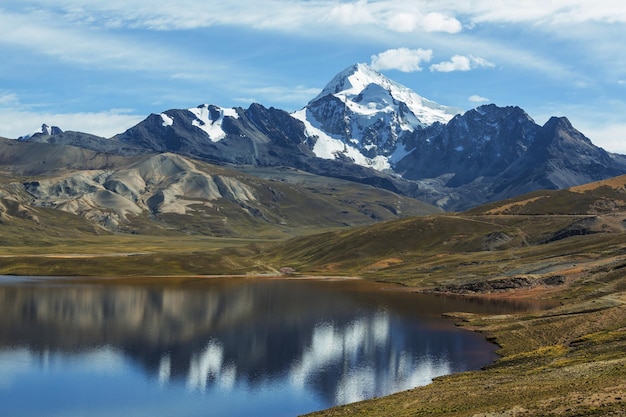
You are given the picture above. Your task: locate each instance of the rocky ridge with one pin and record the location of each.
(368, 129)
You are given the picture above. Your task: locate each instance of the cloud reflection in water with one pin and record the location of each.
(243, 343)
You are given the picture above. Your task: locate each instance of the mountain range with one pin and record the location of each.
(188, 193)
(362, 131)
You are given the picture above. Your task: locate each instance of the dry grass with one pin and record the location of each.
(559, 363)
(566, 361)
(615, 183)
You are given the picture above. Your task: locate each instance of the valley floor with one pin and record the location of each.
(568, 360)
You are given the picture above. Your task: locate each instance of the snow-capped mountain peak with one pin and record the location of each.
(45, 130)
(364, 90)
(209, 119)
(353, 80)
(361, 115)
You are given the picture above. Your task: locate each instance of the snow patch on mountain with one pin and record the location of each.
(210, 119)
(167, 120)
(400, 152)
(329, 147)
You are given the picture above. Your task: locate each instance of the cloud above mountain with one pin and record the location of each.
(77, 57)
(461, 63)
(477, 99)
(402, 59)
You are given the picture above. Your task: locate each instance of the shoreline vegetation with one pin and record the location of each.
(568, 360)
(564, 247)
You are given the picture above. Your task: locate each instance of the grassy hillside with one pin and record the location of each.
(565, 361)
(166, 194)
(567, 247)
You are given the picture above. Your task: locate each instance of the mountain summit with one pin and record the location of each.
(44, 131)
(361, 116)
(367, 92)
(366, 128)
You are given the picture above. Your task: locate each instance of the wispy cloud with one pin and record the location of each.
(261, 14)
(18, 120)
(8, 99)
(93, 32)
(402, 59)
(42, 34)
(297, 95)
(461, 63)
(448, 16)
(477, 99)
(542, 12)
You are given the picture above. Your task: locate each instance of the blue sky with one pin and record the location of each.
(102, 66)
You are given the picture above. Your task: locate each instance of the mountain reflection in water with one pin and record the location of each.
(315, 343)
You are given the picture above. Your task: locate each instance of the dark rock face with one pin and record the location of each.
(559, 157)
(486, 154)
(380, 133)
(257, 136)
(480, 143)
(493, 153)
(501, 285)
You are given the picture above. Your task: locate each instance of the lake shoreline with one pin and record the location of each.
(542, 353)
(562, 361)
(348, 339)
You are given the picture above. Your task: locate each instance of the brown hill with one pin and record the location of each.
(537, 236)
(157, 194)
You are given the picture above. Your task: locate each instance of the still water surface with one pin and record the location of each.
(221, 347)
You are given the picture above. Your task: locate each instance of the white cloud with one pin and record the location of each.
(351, 13)
(456, 63)
(461, 63)
(402, 59)
(7, 99)
(402, 22)
(16, 123)
(295, 95)
(438, 22)
(411, 21)
(478, 99)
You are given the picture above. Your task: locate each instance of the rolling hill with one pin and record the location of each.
(166, 193)
(564, 250)
(536, 235)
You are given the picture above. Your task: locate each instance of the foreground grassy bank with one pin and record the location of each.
(569, 361)
(566, 361)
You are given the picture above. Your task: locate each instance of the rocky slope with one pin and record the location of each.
(368, 129)
(155, 193)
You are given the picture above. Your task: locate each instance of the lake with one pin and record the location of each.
(221, 346)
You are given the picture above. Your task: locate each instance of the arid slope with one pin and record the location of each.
(569, 360)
